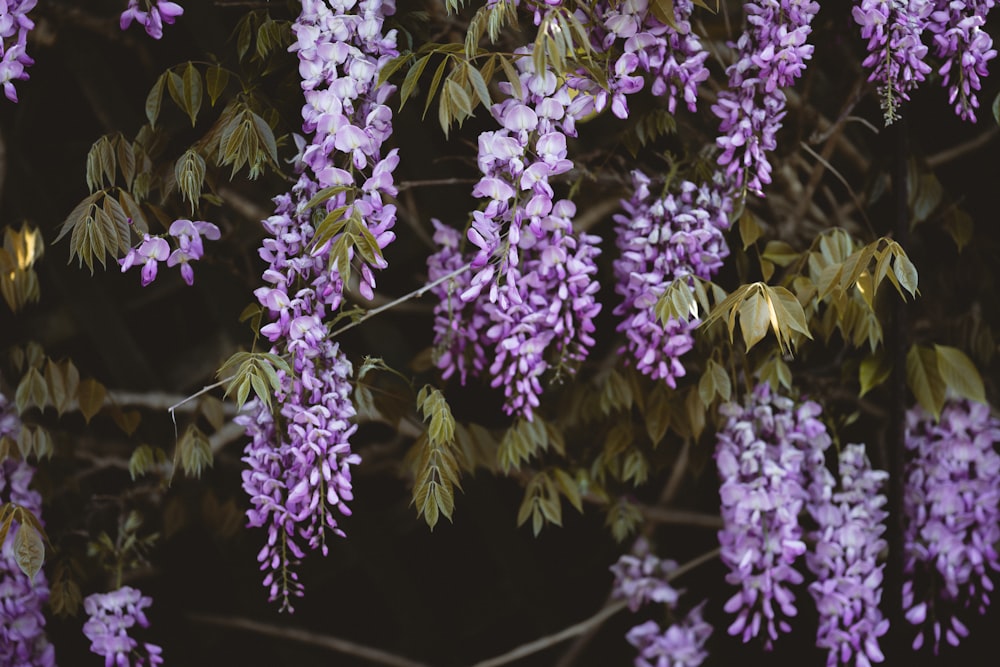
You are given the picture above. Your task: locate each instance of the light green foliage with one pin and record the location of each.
(623, 519)
(759, 307)
(525, 440)
(435, 459)
(193, 452)
(541, 502)
(244, 371)
(144, 458)
(933, 372)
(29, 543)
(189, 173)
(18, 278)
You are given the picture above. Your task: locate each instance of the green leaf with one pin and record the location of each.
(189, 172)
(90, 397)
(32, 391)
(924, 379)
(754, 319)
(29, 550)
(872, 372)
(960, 374)
(905, 272)
(750, 231)
(412, 78)
(192, 91)
(657, 413)
(216, 78)
(194, 452)
(780, 253)
(479, 85)
(155, 99)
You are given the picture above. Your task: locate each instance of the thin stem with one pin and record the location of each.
(580, 628)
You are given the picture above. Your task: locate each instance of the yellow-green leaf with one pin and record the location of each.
(924, 379)
(90, 397)
(959, 373)
(29, 550)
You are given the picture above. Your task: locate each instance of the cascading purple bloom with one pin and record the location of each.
(154, 249)
(952, 509)
(538, 273)
(896, 55)
(22, 624)
(14, 28)
(850, 519)
(157, 14)
(299, 457)
(111, 616)
(767, 455)
(661, 239)
(771, 54)
(959, 40)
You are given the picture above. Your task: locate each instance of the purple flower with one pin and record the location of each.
(952, 509)
(111, 616)
(766, 455)
(641, 577)
(850, 520)
(895, 53)
(771, 55)
(157, 14)
(680, 645)
(14, 28)
(965, 47)
(22, 624)
(661, 239)
(148, 253)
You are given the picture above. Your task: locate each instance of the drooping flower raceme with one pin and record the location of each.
(952, 510)
(22, 624)
(770, 55)
(156, 14)
(14, 28)
(642, 577)
(850, 519)
(111, 618)
(537, 273)
(766, 454)
(299, 457)
(896, 53)
(660, 239)
(965, 47)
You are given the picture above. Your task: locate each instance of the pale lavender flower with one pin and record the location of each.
(766, 455)
(14, 28)
(111, 619)
(156, 14)
(660, 239)
(850, 520)
(896, 53)
(960, 40)
(682, 644)
(952, 509)
(642, 577)
(771, 55)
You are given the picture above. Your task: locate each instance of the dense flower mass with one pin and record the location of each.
(14, 28)
(682, 644)
(156, 14)
(770, 55)
(110, 617)
(896, 54)
(22, 624)
(299, 457)
(952, 509)
(965, 47)
(661, 239)
(850, 519)
(767, 455)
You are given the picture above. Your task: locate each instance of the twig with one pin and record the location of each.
(417, 293)
(955, 152)
(201, 392)
(305, 637)
(431, 182)
(597, 619)
(159, 401)
(681, 517)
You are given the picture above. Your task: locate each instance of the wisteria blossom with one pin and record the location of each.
(152, 250)
(952, 509)
(958, 38)
(111, 618)
(850, 520)
(770, 55)
(682, 644)
(660, 239)
(22, 622)
(896, 53)
(156, 14)
(299, 458)
(642, 577)
(14, 28)
(767, 454)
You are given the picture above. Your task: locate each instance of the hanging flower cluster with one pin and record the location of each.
(299, 459)
(850, 520)
(771, 54)
(538, 273)
(896, 55)
(767, 455)
(660, 239)
(157, 14)
(952, 509)
(960, 41)
(672, 55)
(14, 28)
(642, 577)
(111, 616)
(154, 249)
(22, 624)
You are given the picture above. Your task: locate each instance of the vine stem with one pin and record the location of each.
(583, 626)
